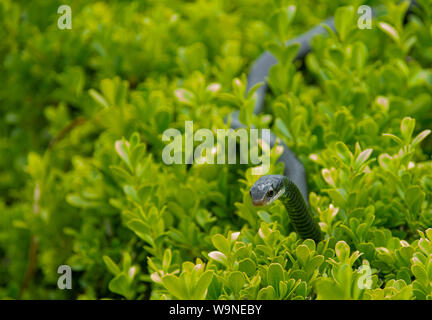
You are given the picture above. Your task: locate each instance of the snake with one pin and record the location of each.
(270, 188)
(291, 187)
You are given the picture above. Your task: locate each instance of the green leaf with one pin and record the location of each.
(337, 196)
(301, 289)
(121, 173)
(166, 261)
(302, 254)
(390, 31)
(252, 90)
(236, 281)
(414, 197)
(284, 54)
(265, 216)
(290, 13)
(362, 158)
(120, 285)
(78, 201)
(407, 128)
(247, 266)
(127, 261)
(131, 192)
(98, 98)
(275, 274)
(185, 96)
(121, 147)
(267, 293)
(202, 285)
(344, 17)
(337, 56)
(175, 286)
(139, 228)
(35, 166)
(342, 251)
(315, 262)
(221, 243)
(420, 273)
(359, 55)
(112, 267)
(327, 290)
(420, 137)
(394, 138)
(218, 256)
(163, 120)
(109, 90)
(343, 152)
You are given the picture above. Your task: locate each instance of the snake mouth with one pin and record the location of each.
(259, 202)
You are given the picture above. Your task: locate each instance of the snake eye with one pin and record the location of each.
(270, 193)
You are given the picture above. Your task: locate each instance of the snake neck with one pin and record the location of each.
(298, 212)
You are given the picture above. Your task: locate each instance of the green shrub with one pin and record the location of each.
(81, 177)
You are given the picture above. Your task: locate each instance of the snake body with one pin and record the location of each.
(291, 188)
(270, 188)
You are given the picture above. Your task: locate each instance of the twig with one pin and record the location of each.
(75, 123)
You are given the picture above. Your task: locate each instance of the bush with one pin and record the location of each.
(81, 177)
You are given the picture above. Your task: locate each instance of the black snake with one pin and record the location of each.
(291, 188)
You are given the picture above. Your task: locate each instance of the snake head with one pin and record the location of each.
(267, 189)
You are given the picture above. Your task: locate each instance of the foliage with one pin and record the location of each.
(83, 183)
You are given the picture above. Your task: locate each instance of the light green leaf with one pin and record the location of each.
(390, 31)
(344, 21)
(175, 286)
(202, 285)
(111, 265)
(236, 281)
(221, 243)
